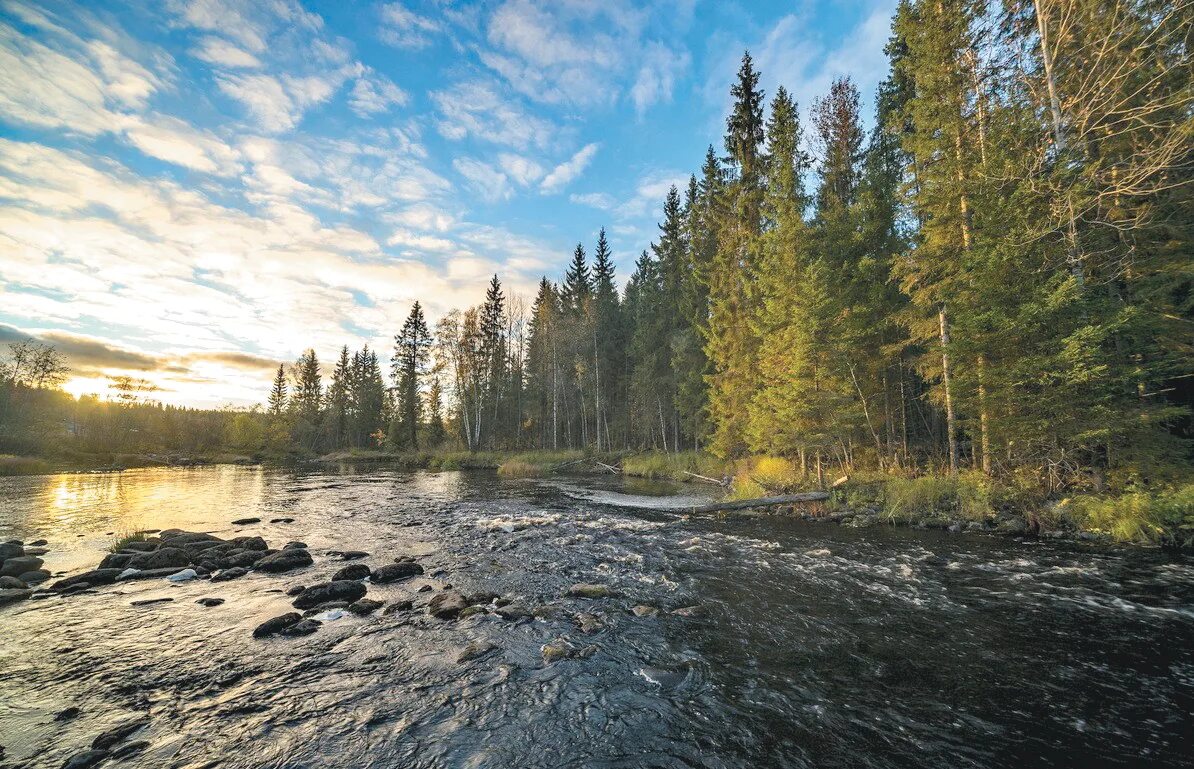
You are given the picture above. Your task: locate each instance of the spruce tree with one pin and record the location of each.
(277, 394)
(412, 350)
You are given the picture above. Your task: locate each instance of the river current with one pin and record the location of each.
(818, 646)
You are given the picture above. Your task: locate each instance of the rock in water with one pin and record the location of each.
(352, 555)
(341, 590)
(304, 627)
(227, 574)
(276, 624)
(118, 734)
(403, 605)
(15, 567)
(583, 590)
(352, 571)
(12, 583)
(295, 590)
(162, 558)
(245, 521)
(588, 623)
(68, 713)
(130, 749)
(643, 610)
(210, 601)
(285, 560)
(563, 649)
(11, 550)
(364, 606)
(12, 596)
(689, 611)
(395, 571)
(34, 577)
(447, 605)
(150, 601)
(183, 575)
(85, 759)
(474, 650)
(93, 577)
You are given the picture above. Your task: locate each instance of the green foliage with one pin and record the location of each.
(675, 466)
(124, 538)
(13, 465)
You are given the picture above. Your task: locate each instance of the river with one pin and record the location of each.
(819, 646)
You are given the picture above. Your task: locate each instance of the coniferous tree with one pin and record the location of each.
(277, 394)
(412, 351)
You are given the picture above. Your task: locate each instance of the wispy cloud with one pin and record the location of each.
(563, 174)
(404, 28)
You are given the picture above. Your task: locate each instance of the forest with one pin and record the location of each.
(990, 275)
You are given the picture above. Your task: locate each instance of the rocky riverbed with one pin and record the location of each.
(458, 619)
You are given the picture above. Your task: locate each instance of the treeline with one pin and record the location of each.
(997, 275)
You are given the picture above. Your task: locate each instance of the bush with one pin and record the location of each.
(967, 496)
(125, 537)
(1162, 517)
(517, 468)
(658, 465)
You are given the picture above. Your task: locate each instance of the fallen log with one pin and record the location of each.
(746, 504)
(611, 468)
(706, 478)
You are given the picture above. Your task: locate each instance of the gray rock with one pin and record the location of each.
(210, 601)
(245, 558)
(643, 610)
(281, 520)
(11, 550)
(116, 560)
(178, 537)
(470, 611)
(397, 606)
(35, 577)
(276, 624)
(227, 574)
(68, 713)
(689, 611)
(18, 565)
(583, 590)
(162, 558)
(364, 607)
(302, 628)
(447, 605)
(85, 759)
(295, 546)
(245, 521)
(588, 623)
(150, 601)
(425, 589)
(130, 749)
(394, 572)
(483, 598)
(12, 583)
(249, 543)
(284, 560)
(36, 550)
(340, 590)
(352, 571)
(38, 543)
(295, 590)
(118, 734)
(93, 577)
(12, 596)
(141, 547)
(563, 649)
(352, 555)
(513, 612)
(329, 606)
(474, 650)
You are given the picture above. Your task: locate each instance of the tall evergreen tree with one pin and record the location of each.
(277, 394)
(412, 351)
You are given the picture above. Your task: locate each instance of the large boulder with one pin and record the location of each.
(11, 550)
(178, 537)
(245, 558)
(284, 560)
(249, 543)
(161, 558)
(12, 583)
(584, 590)
(15, 567)
(34, 577)
(227, 574)
(326, 592)
(394, 572)
(352, 571)
(116, 560)
(447, 605)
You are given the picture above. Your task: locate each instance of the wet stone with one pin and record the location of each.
(245, 521)
(644, 610)
(16, 566)
(12, 583)
(284, 560)
(68, 713)
(295, 590)
(302, 628)
(341, 590)
(86, 759)
(397, 606)
(474, 650)
(150, 601)
(365, 606)
(12, 596)
(396, 571)
(585, 590)
(118, 734)
(276, 624)
(210, 601)
(447, 605)
(227, 574)
(352, 571)
(588, 623)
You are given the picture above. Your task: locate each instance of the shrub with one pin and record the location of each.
(125, 537)
(517, 468)
(12, 465)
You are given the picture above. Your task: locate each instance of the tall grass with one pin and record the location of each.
(1160, 517)
(967, 496)
(657, 465)
(14, 465)
(123, 538)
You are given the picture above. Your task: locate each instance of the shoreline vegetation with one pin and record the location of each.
(970, 501)
(975, 305)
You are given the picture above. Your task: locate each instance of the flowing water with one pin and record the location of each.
(820, 646)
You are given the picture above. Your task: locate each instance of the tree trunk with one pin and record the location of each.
(951, 434)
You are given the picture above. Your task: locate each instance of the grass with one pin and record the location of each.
(656, 465)
(1163, 517)
(967, 496)
(123, 538)
(517, 468)
(14, 465)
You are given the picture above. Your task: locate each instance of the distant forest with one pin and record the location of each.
(997, 276)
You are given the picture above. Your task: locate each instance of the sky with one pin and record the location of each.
(193, 191)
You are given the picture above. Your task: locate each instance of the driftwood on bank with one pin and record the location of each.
(745, 504)
(611, 468)
(714, 481)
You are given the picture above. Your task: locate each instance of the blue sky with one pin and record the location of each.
(193, 191)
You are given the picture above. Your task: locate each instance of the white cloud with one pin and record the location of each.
(520, 169)
(174, 141)
(278, 103)
(649, 193)
(563, 174)
(404, 28)
(490, 183)
(657, 76)
(476, 109)
(214, 50)
(601, 200)
(373, 93)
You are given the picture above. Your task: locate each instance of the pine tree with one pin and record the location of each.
(412, 351)
(277, 394)
(609, 340)
(338, 401)
(578, 283)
